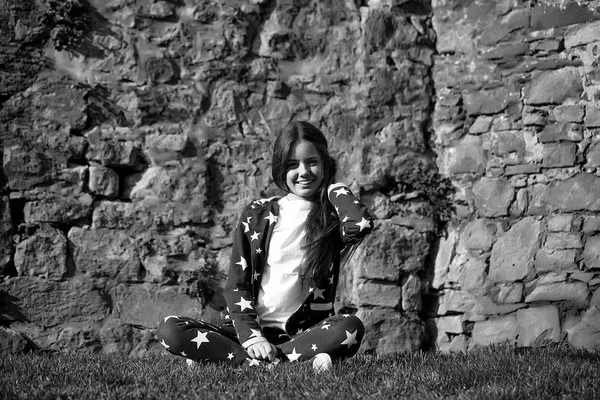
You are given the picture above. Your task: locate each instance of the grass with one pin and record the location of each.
(492, 373)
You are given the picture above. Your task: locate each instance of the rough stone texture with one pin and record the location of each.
(494, 331)
(389, 331)
(513, 253)
(43, 253)
(538, 325)
(576, 293)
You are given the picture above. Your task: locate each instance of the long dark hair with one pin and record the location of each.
(323, 241)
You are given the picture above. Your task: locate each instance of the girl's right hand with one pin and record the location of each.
(262, 351)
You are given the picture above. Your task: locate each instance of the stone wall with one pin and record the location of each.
(134, 131)
(516, 125)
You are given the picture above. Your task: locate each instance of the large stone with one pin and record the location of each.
(493, 197)
(582, 34)
(478, 235)
(13, 342)
(388, 331)
(487, 102)
(443, 258)
(559, 155)
(507, 293)
(411, 294)
(591, 253)
(563, 240)
(104, 253)
(579, 193)
(555, 260)
(58, 210)
(48, 304)
(547, 16)
(376, 294)
(495, 331)
(474, 307)
(103, 181)
(389, 251)
(146, 305)
(586, 334)
(555, 87)
(468, 157)
(513, 253)
(574, 292)
(114, 147)
(44, 253)
(563, 131)
(26, 168)
(538, 325)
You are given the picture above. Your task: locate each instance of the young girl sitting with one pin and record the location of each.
(284, 267)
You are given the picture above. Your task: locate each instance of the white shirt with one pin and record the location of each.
(281, 292)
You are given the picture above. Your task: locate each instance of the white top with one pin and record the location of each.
(281, 292)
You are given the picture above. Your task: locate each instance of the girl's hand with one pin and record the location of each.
(262, 351)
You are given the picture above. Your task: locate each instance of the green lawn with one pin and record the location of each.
(500, 372)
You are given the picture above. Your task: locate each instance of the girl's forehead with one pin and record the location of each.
(304, 149)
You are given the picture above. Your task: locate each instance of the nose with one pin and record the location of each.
(303, 169)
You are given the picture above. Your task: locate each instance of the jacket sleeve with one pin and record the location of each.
(355, 220)
(238, 288)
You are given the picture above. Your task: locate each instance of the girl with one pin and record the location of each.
(284, 267)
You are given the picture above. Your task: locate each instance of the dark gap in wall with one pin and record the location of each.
(17, 213)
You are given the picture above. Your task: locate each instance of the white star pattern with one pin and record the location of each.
(356, 202)
(244, 304)
(350, 339)
(293, 356)
(255, 333)
(331, 280)
(165, 319)
(229, 356)
(363, 224)
(346, 315)
(242, 263)
(319, 293)
(258, 251)
(326, 327)
(246, 227)
(183, 353)
(314, 347)
(346, 218)
(201, 338)
(272, 218)
(254, 236)
(164, 344)
(341, 190)
(256, 275)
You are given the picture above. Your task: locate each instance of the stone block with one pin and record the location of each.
(568, 113)
(43, 253)
(25, 168)
(493, 197)
(556, 132)
(451, 324)
(486, 102)
(64, 210)
(104, 253)
(554, 87)
(579, 193)
(591, 224)
(595, 301)
(563, 240)
(522, 169)
(507, 293)
(377, 294)
(592, 155)
(538, 325)
(478, 235)
(559, 155)
(582, 34)
(547, 16)
(473, 275)
(555, 260)
(146, 304)
(560, 223)
(388, 331)
(13, 342)
(411, 294)
(103, 181)
(513, 253)
(592, 117)
(586, 334)
(456, 344)
(114, 147)
(591, 253)
(482, 124)
(467, 157)
(47, 304)
(443, 258)
(6, 242)
(498, 330)
(391, 250)
(575, 293)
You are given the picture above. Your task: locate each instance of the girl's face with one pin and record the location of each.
(304, 171)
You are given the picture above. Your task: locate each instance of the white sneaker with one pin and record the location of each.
(322, 363)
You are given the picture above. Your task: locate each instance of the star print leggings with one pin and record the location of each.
(339, 336)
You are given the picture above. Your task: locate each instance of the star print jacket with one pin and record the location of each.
(249, 254)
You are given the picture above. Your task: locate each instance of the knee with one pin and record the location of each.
(168, 329)
(353, 323)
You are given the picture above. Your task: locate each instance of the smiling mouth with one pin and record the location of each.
(304, 183)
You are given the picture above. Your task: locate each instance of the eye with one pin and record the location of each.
(292, 165)
(313, 162)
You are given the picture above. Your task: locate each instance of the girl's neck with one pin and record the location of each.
(295, 197)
